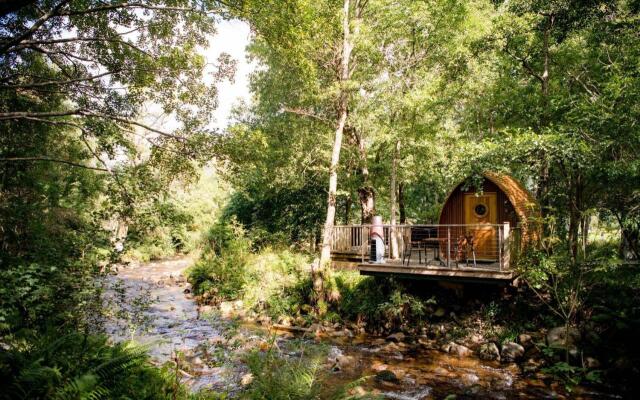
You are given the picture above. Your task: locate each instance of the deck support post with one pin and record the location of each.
(506, 247)
(500, 260)
(448, 245)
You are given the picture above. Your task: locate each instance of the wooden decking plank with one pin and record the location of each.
(433, 271)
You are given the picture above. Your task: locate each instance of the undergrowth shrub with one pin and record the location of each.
(280, 376)
(279, 283)
(77, 366)
(277, 377)
(220, 273)
(274, 281)
(380, 302)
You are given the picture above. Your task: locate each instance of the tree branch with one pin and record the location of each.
(55, 160)
(36, 25)
(31, 115)
(306, 113)
(130, 5)
(50, 83)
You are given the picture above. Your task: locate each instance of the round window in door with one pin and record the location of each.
(480, 210)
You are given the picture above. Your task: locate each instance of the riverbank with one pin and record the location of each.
(222, 349)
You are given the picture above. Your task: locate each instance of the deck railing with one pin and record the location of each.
(448, 246)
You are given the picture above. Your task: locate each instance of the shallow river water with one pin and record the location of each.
(152, 305)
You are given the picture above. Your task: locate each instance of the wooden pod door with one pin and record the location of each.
(482, 210)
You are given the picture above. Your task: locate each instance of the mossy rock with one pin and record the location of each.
(387, 376)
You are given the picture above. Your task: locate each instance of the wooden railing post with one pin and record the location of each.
(506, 252)
(500, 260)
(448, 245)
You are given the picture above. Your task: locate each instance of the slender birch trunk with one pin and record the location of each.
(325, 254)
(394, 172)
(366, 194)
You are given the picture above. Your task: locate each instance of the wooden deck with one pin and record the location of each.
(429, 252)
(483, 273)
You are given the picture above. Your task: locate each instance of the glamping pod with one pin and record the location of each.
(479, 233)
(478, 214)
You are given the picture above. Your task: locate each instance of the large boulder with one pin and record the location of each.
(386, 376)
(511, 351)
(396, 337)
(456, 349)
(489, 352)
(344, 362)
(525, 340)
(557, 338)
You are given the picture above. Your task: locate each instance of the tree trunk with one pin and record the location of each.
(575, 205)
(543, 181)
(366, 194)
(367, 198)
(394, 172)
(325, 254)
(401, 206)
(585, 234)
(347, 210)
(629, 239)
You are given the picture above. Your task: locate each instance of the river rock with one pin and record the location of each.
(216, 340)
(264, 320)
(246, 379)
(399, 373)
(393, 347)
(469, 379)
(489, 352)
(441, 371)
(525, 340)
(345, 362)
(396, 337)
(440, 312)
(557, 337)
(226, 307)
(591, 363)
(456, 349)
(532, 365)
(379, 366)
(511, 351)
(386, 376)
(476, 338)
(315, 329)
(427, 343)
(341, 333)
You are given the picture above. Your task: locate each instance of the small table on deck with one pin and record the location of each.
(433, 243)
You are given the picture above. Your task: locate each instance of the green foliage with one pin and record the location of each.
(220, 273)
(572, 376)
(77, 366)
(275, 282)
(279, 376)
(178, 223)
(384, 304)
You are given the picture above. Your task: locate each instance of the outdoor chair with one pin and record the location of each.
(463, 247)
(414, 240)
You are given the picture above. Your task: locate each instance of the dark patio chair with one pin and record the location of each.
(463, 247)
(415, 241)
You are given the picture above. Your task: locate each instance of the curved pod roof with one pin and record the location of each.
(524, 204)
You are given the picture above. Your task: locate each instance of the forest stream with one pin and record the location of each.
(153, 305)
